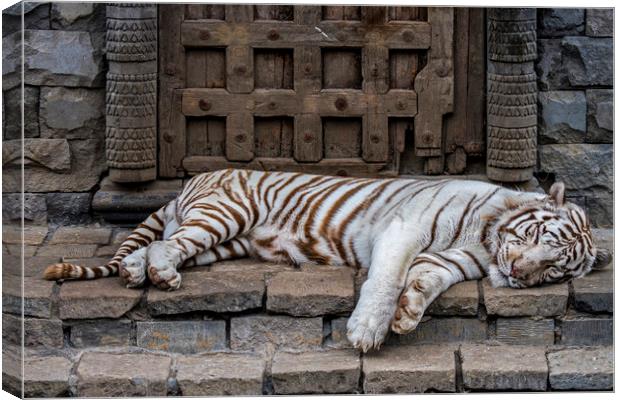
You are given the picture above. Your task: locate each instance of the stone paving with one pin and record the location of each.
(248, 327)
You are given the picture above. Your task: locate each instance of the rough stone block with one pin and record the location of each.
(311, 293)
(600, 116)
(67, 251)
(600, 22)
(551, 72)
(68, 208)
(46, 376)
(34, 209)
(75, 167)
(101, 332)
(81, 235)
(12, 369)
(182, 336)
(561, 116)
(86, 119)
(13, 113)
(32, 235)
(588, 61)
(595, 292)
(16, 250)
(600, 209)
(518, 368)
(267, 332)
(338, 337)
(78, 17)
(54, 58)
(586, 330)
(33, 266)
(442, 330)
(604, 238)
(36, 16)
(558, 22)
(460, 299)
(122, 375)
(545, 301)
(42, 333)
(333, 371)
(36, 296)
(582, 369)
(579, 166)
(525, 331)
(410, 369)
(101, 298)
(220, 375)
(203, 290)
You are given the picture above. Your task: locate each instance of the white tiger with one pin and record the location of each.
(417, 237)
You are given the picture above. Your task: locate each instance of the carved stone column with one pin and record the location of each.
(512, 94)
(131, 92)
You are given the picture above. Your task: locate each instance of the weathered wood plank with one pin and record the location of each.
(403, 69)
(273, 69)
(273, 137)
(338, 103)
(435, 86)
(275, 12)
(308, 139)
(171, 78)
(376, 69)
(239, 69)
(342, 137)
(342, 69)
(240, 136)
(239, 13)
(376, 138)
(476, 89)
(196, 136)
(307, 69)
(307, 15)
(413, 35)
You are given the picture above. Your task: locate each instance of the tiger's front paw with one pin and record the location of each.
(411, 306)
(367, 329)
(133, 268)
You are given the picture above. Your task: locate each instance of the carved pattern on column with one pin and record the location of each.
(131, 92)
(512, 94)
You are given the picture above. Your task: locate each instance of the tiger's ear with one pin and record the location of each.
(557, 193)
(603, 257)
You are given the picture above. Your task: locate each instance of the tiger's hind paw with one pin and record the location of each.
(409, 312)
(133, 268)
(165, 279)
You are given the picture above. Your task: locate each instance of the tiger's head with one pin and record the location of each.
(544, 242)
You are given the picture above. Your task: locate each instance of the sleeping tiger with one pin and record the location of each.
(417, 237)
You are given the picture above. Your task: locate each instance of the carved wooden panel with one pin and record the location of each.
(330, 89)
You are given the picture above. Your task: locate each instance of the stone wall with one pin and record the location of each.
(575, 126)
(64, 93)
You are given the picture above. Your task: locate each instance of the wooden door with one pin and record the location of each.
(328, 89)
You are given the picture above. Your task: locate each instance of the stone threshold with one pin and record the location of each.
(127, 371)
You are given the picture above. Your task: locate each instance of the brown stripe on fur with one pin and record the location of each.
(435, 219)
(455, 263)
(236, 216)
(475, 260)
(459, 226)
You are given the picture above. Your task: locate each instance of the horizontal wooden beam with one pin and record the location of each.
(268, 34)
(274, 102)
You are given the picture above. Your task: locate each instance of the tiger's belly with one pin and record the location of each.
(283, 247)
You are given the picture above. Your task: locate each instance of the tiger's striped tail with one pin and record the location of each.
(148, 231)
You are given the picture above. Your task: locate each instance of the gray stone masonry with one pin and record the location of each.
(333, 371)
(220, 375)
(562, 117)
(581, 369)
(544, 301)
(309, 294)
(600, 22)
(101, 324)
(46, 377)
(410, 369)
(182, 336)
(600, 116)
(520, 368)
(554, 22)
(122, 375)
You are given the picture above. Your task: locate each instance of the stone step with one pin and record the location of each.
(130, 371)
